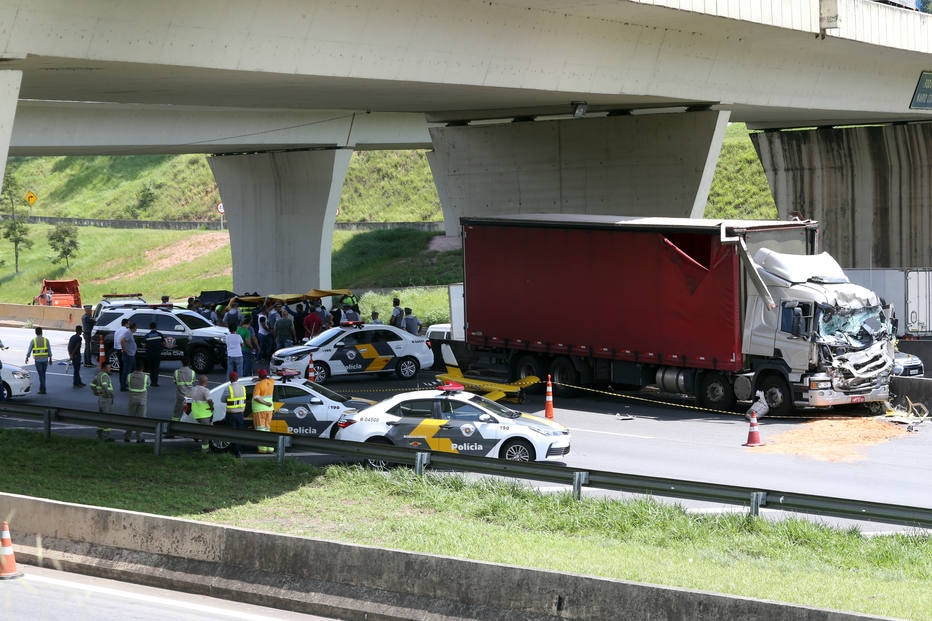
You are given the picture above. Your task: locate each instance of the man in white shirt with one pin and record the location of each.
(234, 351)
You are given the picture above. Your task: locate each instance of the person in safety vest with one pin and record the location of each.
(235, 400)
(184, 382)
(263, 406)
(202, 407)
(41, 351)
(102, 387)
(138, 384)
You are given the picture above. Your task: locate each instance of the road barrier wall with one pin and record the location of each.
(343, 580)
(35, 315)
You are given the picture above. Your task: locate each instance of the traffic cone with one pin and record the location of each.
(311, 371)
(548, 408)
(7, 559)
(103, 352)
(753, 433)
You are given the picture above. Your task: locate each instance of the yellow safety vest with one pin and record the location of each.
(236, 402)
(40, 351)
(189, 381)
(138, 382)
(200, 409)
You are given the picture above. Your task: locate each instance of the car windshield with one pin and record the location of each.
(856, 326)
(494, 407)
(325, 392)
(324, 337)
(193, 320)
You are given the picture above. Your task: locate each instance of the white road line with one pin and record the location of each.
(612, 433)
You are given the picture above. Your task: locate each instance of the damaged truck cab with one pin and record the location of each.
(831, 339)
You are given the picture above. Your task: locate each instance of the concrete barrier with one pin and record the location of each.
(343, 580)
(47, 317)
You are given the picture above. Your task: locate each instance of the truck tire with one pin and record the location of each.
(716, 392)
(563, 375)
(527, 365)
(777, 394)
(517, 450)
(202, 361)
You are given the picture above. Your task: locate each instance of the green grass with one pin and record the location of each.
(644, 541)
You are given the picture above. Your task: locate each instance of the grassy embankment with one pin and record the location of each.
(644, 541)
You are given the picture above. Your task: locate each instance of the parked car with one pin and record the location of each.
(185, 333)
(356, 348)
(907, 365)
(453, 420)
(16, 380)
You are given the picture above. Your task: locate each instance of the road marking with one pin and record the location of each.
(612, 433)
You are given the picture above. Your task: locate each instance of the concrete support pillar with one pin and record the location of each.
(869, 187)
(651, 165)
(281, 208)
(9, 95)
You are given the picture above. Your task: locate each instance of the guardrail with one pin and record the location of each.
(754, 498)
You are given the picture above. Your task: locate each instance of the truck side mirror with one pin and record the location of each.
(797, 328)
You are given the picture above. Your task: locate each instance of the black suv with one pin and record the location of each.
(185, 333)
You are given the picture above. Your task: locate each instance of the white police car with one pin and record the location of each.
(16, 380)
(301, 407)
(452, 420)
(356, 348)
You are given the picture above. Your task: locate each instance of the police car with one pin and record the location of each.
(16, 381)
(453, 420)
(301, 407)
(356, 348)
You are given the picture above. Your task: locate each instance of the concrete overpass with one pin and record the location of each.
(604, 106)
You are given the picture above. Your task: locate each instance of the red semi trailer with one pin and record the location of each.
(717, 309)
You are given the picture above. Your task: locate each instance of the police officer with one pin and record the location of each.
(87, 325)
(41, 351)
(154, 341)
(102, 386)
(202, 407)
(184, 382)
(138, 384)
(236, 407)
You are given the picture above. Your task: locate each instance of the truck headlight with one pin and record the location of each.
(820, 384)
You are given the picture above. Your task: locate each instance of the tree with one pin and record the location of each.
(63, 239)
(14, 230)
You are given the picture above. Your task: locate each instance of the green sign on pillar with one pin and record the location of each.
(922, 98)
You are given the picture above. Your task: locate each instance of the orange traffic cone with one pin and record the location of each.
(754, 432)
(7, 559)
(548, 409)
(311, 371)
(103, 352)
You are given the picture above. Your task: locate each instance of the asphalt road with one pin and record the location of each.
(611, 432)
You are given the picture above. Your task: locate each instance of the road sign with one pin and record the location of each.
(31, 198)
(220, 208)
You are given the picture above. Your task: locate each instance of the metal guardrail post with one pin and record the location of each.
(160, 430)
(758, 500)
(580, 478)
(421, 461)
(47, 423)
(281, 450)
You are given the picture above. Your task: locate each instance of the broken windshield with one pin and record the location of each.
(857, 327)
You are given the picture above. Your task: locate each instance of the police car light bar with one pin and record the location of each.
(451, 387)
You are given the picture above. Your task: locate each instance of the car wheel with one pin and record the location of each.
(114, 357)
(202, 361)
(407, 368)
(7, 393)
(376, 463)
(220, 446)
(527, 365)
(777, 394)
(716, 392)
(563, 376)
(321, 372)
(517, 450)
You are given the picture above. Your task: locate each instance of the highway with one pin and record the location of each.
(617, 433)
(49, 595)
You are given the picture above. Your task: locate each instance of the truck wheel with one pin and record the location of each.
(517, 450)
(407, 368)
(527, 365)
(201, 361)
(715, 392)
(563, 375)
(777, 394)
